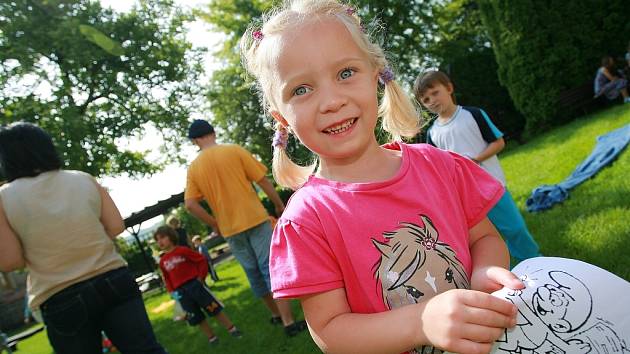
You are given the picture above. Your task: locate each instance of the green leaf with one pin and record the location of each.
(97, 37)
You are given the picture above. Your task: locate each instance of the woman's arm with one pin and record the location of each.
(110, 216)
(11, 254)
(490, 259)
(461, 321)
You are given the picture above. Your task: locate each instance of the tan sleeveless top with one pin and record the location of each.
(56, 216)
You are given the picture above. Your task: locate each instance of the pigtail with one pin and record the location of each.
(399, 115)
(286, 172)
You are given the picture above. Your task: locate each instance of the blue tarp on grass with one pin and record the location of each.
(607, 148)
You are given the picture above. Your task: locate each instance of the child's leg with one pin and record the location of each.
(508, 220)
(191, 301)
(224, 320)
(205, 329)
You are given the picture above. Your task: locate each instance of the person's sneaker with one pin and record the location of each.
(295, 328)
(214, 340)
(275, 320)
(234, 332)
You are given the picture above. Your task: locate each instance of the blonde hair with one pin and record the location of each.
(399, 115)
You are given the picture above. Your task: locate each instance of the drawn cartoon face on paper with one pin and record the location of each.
(415, 266)
(555, 304)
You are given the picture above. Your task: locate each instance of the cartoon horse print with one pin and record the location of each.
(415, 266)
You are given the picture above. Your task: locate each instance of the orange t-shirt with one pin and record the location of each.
(223, 176)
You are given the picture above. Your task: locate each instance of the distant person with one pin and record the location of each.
(609, 81)
(182, 235)
(60, 224)
(201, 248)
(222, 174)
(627, 60)
(184, 272)
(469, 131)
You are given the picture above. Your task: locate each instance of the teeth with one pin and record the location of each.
(340, 128)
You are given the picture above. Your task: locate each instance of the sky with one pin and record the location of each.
(133, 195)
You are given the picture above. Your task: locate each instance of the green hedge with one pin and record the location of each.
(545, 47)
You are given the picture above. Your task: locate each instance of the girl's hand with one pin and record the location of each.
(492, 278)
(466, 321)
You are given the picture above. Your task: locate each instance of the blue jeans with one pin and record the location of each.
(508, 220)
(251, 249)
(109, 302)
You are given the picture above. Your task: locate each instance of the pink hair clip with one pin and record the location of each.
(350, 10)
(258, 35)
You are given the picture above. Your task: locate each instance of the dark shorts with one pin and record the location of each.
(195, 298)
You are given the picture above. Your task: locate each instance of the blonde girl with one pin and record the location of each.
(381, 244)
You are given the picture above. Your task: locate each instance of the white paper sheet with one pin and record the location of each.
(567, 306)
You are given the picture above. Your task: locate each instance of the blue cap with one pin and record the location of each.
(199, 128)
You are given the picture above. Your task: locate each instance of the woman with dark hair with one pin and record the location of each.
(60, 224)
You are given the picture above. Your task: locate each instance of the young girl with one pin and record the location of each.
(380, 243)
(184, 272)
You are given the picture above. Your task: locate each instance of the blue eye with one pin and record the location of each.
(346, 73)
(300, 91)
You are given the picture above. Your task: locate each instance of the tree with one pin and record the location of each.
(545, 47)
(464, 51)
(416, 35)
(91, 77)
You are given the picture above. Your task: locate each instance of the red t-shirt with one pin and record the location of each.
(182, 265)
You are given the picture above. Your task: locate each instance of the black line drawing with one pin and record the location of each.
(557, 315)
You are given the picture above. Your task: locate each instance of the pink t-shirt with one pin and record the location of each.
(388, 243)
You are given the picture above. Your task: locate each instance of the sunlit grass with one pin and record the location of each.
(593, 225)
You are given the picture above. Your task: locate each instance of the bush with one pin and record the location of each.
(545, 47)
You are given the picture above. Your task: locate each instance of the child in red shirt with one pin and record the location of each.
(184, 272)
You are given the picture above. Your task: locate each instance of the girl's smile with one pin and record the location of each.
(341, 128)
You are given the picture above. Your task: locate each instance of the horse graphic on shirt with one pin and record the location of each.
(415, 266)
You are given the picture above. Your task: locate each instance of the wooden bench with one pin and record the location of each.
(580, 98)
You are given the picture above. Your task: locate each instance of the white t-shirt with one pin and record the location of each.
(468, 136)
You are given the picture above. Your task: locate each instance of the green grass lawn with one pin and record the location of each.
(592, 225)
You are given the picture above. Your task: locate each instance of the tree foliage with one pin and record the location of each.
(464, 51)
(416, 35)
(545, 47)
(92, 77)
